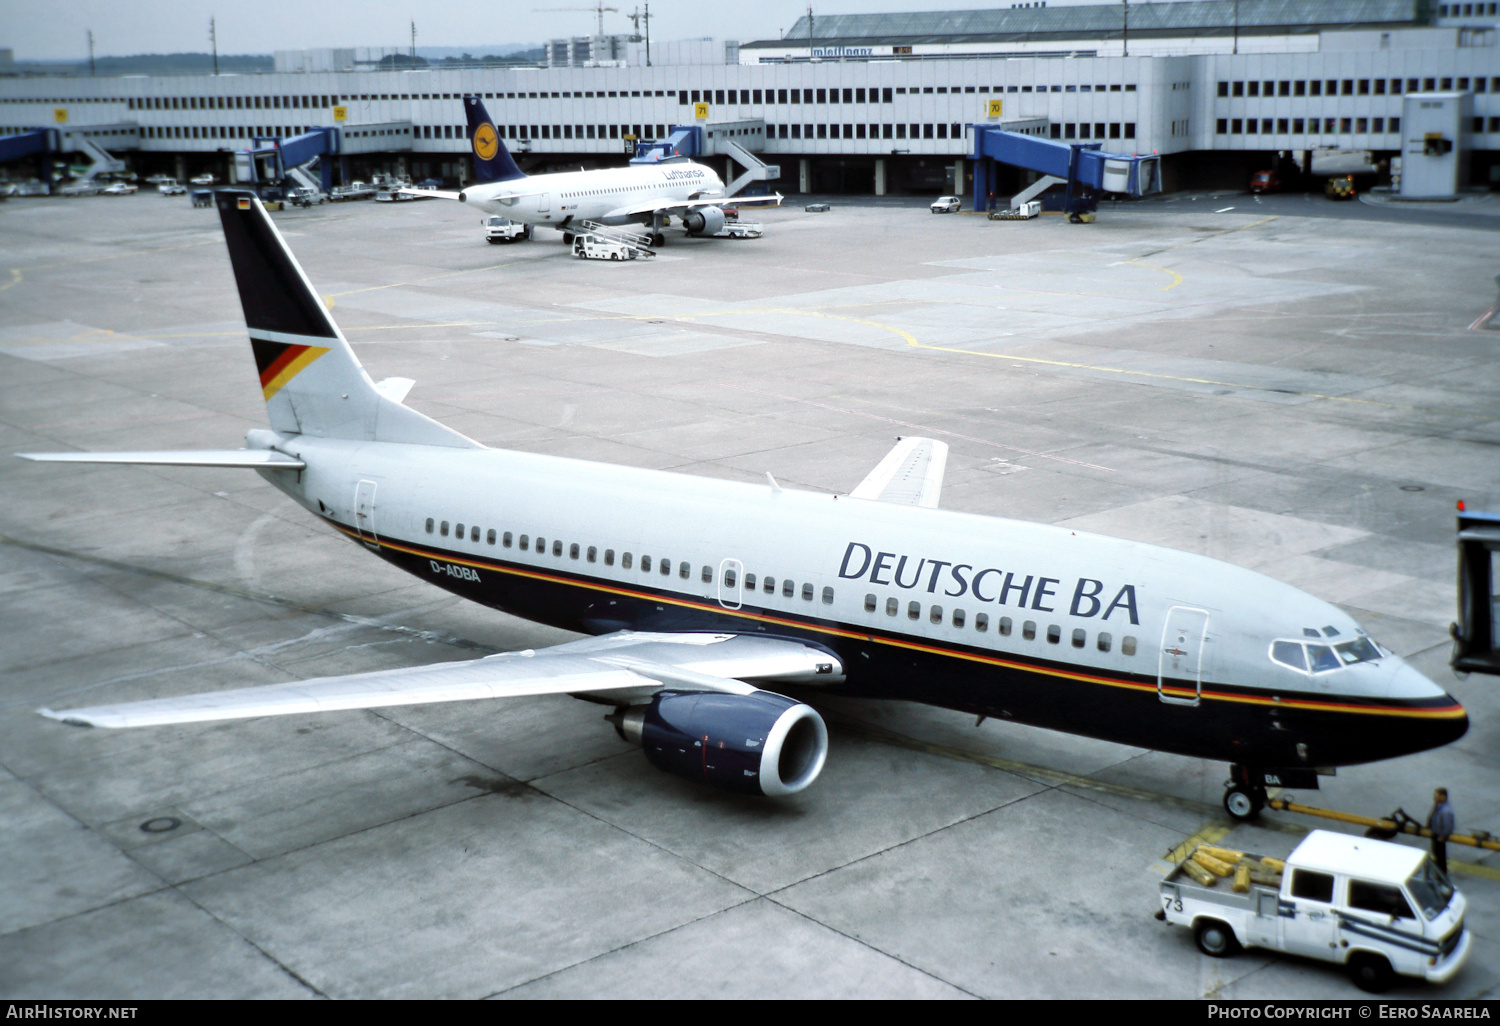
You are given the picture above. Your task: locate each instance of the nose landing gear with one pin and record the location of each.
(1244, 794)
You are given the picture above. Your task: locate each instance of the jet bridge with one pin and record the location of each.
(1476, 634)
(736, 140)
(1085, 169)
(41, 141)
(270, 160)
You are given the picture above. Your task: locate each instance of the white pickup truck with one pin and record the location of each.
(1378, 908)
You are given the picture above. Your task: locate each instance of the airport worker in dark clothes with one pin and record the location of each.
(1441, 823)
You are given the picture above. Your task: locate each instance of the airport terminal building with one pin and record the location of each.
(865, 103)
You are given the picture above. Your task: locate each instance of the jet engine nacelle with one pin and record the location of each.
(705, 221)
(762, 743)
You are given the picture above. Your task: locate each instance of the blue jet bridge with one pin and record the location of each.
(271, 160)
(1084, 168)
(26, 144)
(681, 141)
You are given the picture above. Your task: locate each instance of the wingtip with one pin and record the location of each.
(64, 717)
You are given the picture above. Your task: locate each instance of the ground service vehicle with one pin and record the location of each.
(1265, 181)
(502, 229)
(1380, 909)
(1340, 187)
(171, 189)
(596, 247)
(947, 205)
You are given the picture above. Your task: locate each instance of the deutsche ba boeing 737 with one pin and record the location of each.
(649, 195)
(703, 597)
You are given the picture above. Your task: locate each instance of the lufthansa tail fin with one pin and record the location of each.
(492, 161)
(312, 382)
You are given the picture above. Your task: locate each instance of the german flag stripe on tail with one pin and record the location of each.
(280, 362)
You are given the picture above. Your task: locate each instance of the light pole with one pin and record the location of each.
(1125, 30)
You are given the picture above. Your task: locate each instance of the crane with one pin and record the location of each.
(598, 9)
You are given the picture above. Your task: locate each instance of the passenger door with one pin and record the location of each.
(1181, 656)
(364, 512)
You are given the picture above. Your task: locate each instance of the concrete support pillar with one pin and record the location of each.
(958, 177)
(804, 175)
(880, 176)
(180, 168)
(729, 174)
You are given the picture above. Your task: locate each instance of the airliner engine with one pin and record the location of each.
(762, 743)
(707, 221)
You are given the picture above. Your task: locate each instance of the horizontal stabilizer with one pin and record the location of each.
(626, 662)
(176, 458)
(911, 474)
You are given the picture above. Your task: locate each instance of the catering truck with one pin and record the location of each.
(1380, 909)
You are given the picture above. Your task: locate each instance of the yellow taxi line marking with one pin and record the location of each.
(1209, 833)
(15, 279)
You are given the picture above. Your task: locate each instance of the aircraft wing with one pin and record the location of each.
(431, 194)
(910, 474)
(627, 666)
(671, 206)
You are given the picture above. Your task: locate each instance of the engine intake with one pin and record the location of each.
(761, 743)
(705, 221)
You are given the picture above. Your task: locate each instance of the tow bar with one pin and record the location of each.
(1397, 822)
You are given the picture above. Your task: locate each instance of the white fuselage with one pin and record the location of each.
(612, 195)
(922, 577)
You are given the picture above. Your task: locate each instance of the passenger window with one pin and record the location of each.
(1003, 626)
(936, 614)
(807, 590)
(1103, 641)
(769, 587)
(626, 561)
(1079, 637)
(541, 545)
(684, 570)
(1054, 633)
(981, 621)
(429, 525)
(870, 603)
(749, 582)
(1289, 653)
(827, 596)
(556, 547)
(489, 536)
(1381, 898)
(708, 575)
(458, 531)
(443, 529)
(474, 533)
(1028, 630)
(1127, 645)
(573, 551)
(729, 578)
(645, 564)
(1322, 658)
(788, 589)
(666, 568)
(914, 611)
(505, 539)
(1312, 886)
(593, 554)
(958, 618)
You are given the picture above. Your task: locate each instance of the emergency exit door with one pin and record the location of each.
(1179, 668)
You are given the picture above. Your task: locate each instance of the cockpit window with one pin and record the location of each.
(1309, 658)
(1289, 653)
(1322, 658)
(1357, 651)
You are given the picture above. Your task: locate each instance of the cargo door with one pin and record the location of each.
(364, 512)
(731, 581)
(1179, 668)
(544, 203)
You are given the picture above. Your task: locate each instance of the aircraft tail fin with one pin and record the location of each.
(312, 381)
(492, 161)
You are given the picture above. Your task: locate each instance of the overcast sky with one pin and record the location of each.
(55, 29)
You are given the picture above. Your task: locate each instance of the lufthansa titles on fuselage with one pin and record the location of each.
(1084, 596)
